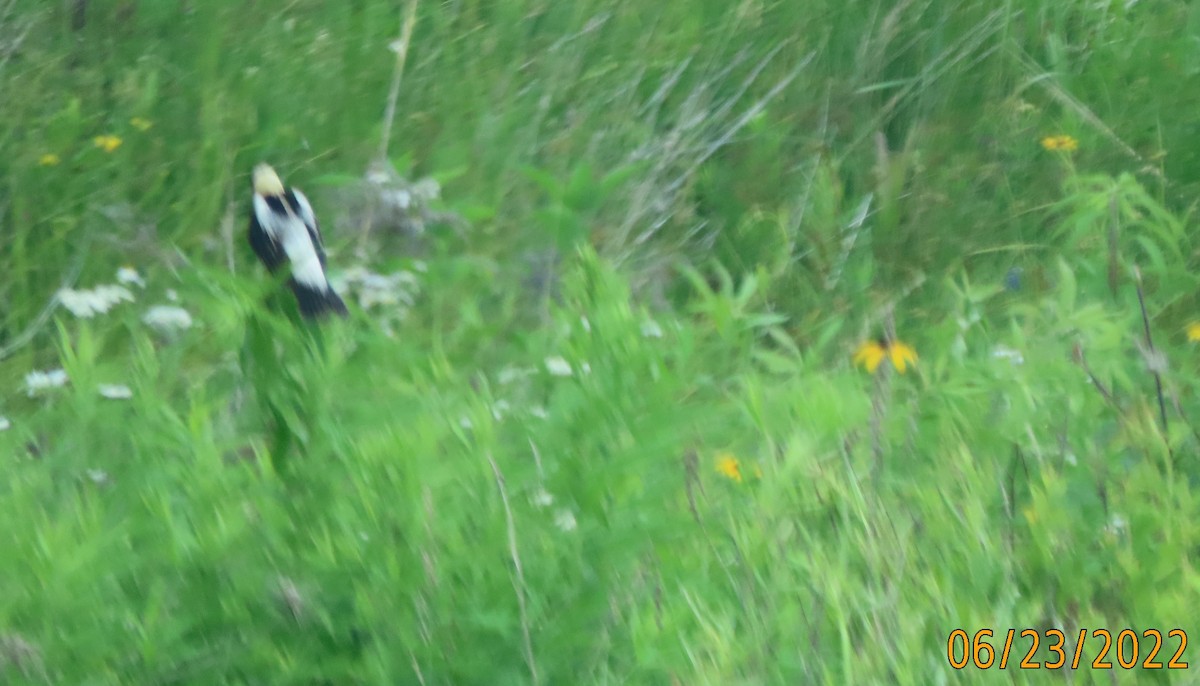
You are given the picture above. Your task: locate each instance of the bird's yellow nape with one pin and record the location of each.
(266, 181)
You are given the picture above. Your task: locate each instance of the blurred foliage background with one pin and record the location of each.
(594, 417)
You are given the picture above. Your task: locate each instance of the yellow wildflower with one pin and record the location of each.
(1064, 142)
(1193, 331)
(141, 124)
(872, 353)
(107, 142)
(729, 466)
(49, 160)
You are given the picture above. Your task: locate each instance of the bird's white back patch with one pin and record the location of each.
(298, 246)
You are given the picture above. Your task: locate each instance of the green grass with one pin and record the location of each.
(701, 208)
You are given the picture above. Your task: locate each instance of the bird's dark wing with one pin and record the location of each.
(304, 211)
(270, 252)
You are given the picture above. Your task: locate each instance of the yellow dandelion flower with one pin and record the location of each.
(1193, 331)
(872, 354)
(729, 467)
(141, 124)
(1064, 142)
(107, 142)
(49, 160)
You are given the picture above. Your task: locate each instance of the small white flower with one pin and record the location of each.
(539, 412)
(565, 520)
(114, 391)
(651, 329)
(378, 176)
(5, 425)
(511, 374)
(38, 381)
(344, 280)
(968, 321)
(396, 45)
(87, 303)
(558, 366)
(396, 290)
(1116, 525)
(397, 198)
(172, 295)
(500, 409)
(98, 476)
(129, 276)
(426, 189)
(1156, 360)
(167, 318)
(541, 498)
(1002, 352)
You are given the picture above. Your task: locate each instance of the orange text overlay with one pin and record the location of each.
(1054, 649)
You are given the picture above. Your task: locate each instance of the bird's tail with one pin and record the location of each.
(318, 302)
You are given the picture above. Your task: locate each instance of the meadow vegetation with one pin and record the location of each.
(607, 410)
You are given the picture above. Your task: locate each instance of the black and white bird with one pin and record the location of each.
(283, 229)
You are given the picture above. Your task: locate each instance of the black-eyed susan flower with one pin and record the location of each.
(283, 229)
(49, 160)
(141, 124)
(729, 466)
(1063, 142)
(872, 354)
(1193, 331)
(107, 142)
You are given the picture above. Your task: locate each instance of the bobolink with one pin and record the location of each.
(283, 229)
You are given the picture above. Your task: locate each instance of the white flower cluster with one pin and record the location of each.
(397, 203)
(167, 318)
(396, 291)
(86, 304)
(38, 381)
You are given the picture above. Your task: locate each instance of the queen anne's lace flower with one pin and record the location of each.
(115, 391)
(38, 381)
(86, 304)
(558, 366)
(167, 318)
(128, 275)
